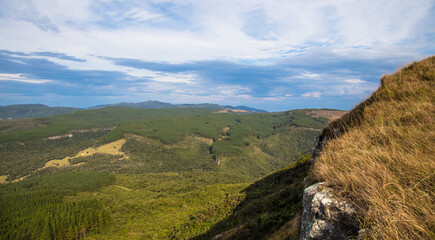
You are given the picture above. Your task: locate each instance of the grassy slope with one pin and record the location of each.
(382, 157)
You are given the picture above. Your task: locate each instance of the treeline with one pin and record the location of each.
(35, 208)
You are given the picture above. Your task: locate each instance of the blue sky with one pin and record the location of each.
(273, 55)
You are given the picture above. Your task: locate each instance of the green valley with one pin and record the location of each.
(130, 173)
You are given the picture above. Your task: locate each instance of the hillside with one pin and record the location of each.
(380, 156)
(32, 111)
(147, 172)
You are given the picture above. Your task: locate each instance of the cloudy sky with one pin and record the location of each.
(272, 54)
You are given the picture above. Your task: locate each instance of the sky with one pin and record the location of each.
(274, 55)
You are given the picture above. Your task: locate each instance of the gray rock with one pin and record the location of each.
(325, 217)
(218, 237)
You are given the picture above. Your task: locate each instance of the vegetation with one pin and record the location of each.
(22, 158)
(152, 205)
(171, 143)
(149, 173)
(96, 118)
(34, 208)
(270, 210)
(381, 155)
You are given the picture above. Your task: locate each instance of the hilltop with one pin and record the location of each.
(380, 157)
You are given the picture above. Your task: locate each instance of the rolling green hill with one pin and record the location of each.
(171, 173)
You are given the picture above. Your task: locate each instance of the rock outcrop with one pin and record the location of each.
(325, 217)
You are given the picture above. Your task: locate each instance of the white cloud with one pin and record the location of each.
(308, 75)
(231, 90)
(143, 15)
(176, 78)
(213, 29)
(21, 78)
(312, 94)
(357, 81)
(352, 88)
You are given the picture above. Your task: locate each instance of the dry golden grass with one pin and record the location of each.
(57, 163)
(381, 155)
(3, 179)
(113, 148)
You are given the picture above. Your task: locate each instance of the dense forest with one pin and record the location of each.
(35, 209)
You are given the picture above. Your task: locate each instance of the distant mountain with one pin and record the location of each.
(32, 111)
(157, 104)
(39, 110)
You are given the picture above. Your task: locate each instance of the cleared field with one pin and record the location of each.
(3, 178)
(113, 148)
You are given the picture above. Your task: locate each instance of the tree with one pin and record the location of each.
(70, 234)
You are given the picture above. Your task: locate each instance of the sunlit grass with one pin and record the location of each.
(383, 155)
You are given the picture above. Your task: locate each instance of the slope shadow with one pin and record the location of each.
(271, 209)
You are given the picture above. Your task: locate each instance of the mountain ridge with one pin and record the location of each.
(159, 104)
(19, 111)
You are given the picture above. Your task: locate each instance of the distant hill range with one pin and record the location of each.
(39, 110)
(32, 111)
(157, 104)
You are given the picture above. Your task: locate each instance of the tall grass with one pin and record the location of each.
(382, 155)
